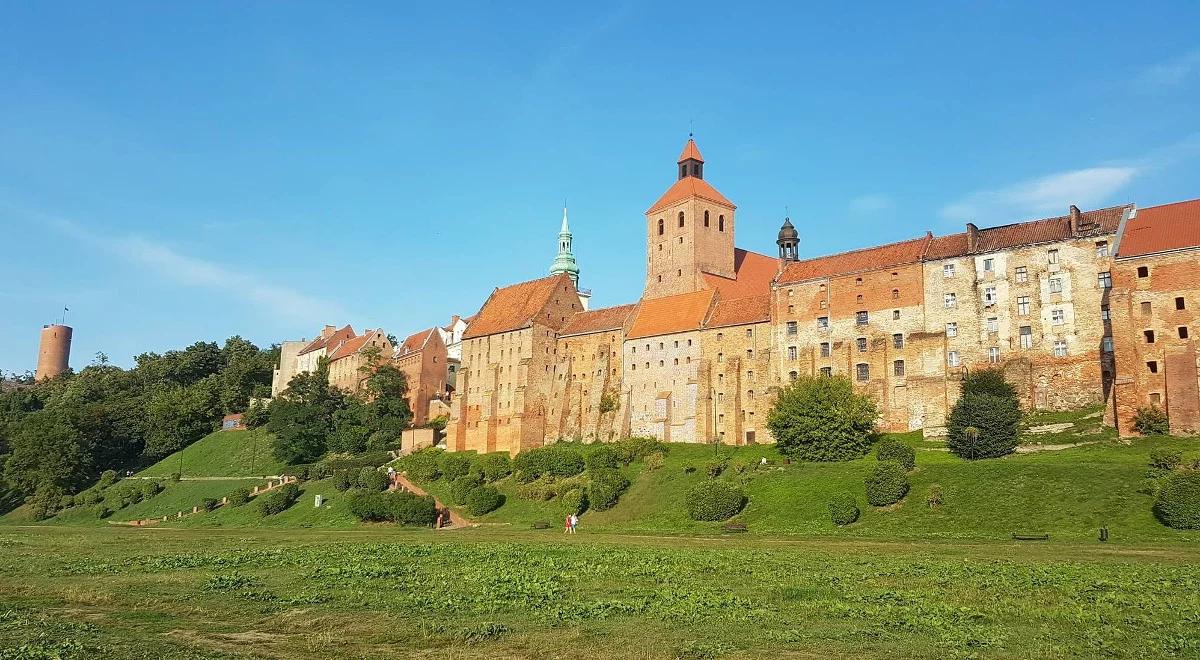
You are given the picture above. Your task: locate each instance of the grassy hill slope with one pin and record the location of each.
(221, 454)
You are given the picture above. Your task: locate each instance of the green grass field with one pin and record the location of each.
(221, 454)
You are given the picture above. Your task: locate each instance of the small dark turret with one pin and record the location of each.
(789, 241)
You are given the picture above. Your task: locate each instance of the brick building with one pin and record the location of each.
(719, 330)
(422, 357)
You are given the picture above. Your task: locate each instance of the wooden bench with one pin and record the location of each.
(541, 524)
(734, 527)
(1030, 537)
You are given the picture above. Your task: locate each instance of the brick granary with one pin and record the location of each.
(1089, 307)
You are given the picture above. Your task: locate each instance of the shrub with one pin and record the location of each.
(239, 496)
(423, 465)
(1162, 458)
(822, 419)
(278, 500)
(574, 501)
(1151, 421)
(605, 488)
(629, 450)
(484, 499)
(983, 426)
(365, 459)
(543, 489)
(410, 509)
(461, 487)
(934, 498)
(493, 467)
(151, 488)
(66, 501)
(108, 478)
(373, 479)
(894, 450)
(887, 484)
(383, 440)
(1178, 502)
(368, 506)
(843, 510)
(714, 500)
(342, 481)
(561, 460)
(655, 461)
(455, 464)
(716, 466)
(93, 496)
(988, 381)
(256, 415)
(599, 456)
(44, 503)
(209, 503)
(103, 512)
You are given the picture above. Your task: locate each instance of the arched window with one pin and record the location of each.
(681, 218)
(895, 294)
(706, 218)
(660, 226)
(720, 223)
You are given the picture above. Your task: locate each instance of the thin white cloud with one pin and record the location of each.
(172, 265)
(1172, 72)
(1048, 195)
(868, 204)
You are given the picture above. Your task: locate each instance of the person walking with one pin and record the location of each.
(574, 522)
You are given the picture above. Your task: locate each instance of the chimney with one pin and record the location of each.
(327, 331)
(1074, 213)
(972, 237)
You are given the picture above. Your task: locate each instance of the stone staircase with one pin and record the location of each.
(401, 482)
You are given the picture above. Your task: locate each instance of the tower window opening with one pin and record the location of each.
(720, 223)
(660, 226)
(681, 218)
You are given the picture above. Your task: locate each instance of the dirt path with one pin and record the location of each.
(402, 481)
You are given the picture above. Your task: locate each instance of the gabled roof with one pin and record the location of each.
(516, 306)
(332, 340)
(753, 273)
(739, 311)
(1161, 229)
(691, 152)
(678, 313)
(414, 342)
(598, 320)
(352, 345)
(1046, 230)
(687, 187)
(945, 247)
(883, 256)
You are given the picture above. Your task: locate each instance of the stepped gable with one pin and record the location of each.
(516, 306)
(740, 311)
(598, 320)
(753, 273)
(883, 256)
(687, 187)
(678, 313)
(331, 341)
(1161, 229)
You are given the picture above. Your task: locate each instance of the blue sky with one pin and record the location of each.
(183, 171)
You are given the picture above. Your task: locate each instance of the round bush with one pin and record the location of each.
(239, 496)
(151, 488)
(894, 450)
(461, 487)
(406, 508)
(108, 478)
(374, 480)
(1151, 421)
(493, 467)
(560, 460)
(843, 510)
(455, 464)
(887, 484)
(1162, 458)
(342, 481)
(424, 465)
(66, 501)
(484, 499)
(655, 461)
(278, 500)
(598, 456)
(605, 487)
(1178, 503)
(714, 500)
(822, 419)
(574, 501)
(983, 426)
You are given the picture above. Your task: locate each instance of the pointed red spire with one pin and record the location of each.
(690, 152)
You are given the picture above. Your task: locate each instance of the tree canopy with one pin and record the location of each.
(823, 419)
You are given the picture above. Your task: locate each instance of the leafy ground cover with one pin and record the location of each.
(484, 594)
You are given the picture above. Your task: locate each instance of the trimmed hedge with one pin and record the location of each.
(278, 500)
(456, 464)
(1178, 502)
(983, 426)
(598, 456)
(561, 459)
(895, 450)
(484, 499)
(372, 479)
(636, 448)
(605, 486)
(843, 510)
(574, 501)
(461, 487)
(400, 507)
(493, 467)
(423, 465)
(714, 501)
(239, 496)
(342, 481)
(887, 484)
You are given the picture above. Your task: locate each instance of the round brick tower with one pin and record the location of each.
(54, 353)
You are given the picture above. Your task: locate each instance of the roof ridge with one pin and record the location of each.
(1054, 217)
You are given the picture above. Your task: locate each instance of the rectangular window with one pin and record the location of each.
(1106, 345)
(822, 322)
(994, 354)
(861, 342)
(952, 358)
(898, 340)
(825, 371)
(895, 315)
(948, 270)
(1143, 271)
(1026, 333)
(993, 324)
(1180, 303)
(1152, 366)
(1058, 316)
(1022, 274)
(1105, 280)
(1055, 285)
(989, 295)
(1101, 248)
(1060, 348)
(1105, 315)
(1183, 332)
(1023, 305)
(989, 265)
(791, 352)
(898, 368)
(860, 318)
(952, 329)
(1149, 334)
(749, 333)
(1145, 307)
(749, 353)
(824, 349)
(792, 328)
(951, 300)
(1052, 256)
(862, 371)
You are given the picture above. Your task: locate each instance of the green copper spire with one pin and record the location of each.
(565, 261)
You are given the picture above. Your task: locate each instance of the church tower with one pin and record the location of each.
(564, 262)
(689, 232)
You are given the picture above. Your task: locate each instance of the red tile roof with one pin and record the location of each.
(687, 187)
(691, 151)
(678, 313)
(753, 273)
(514, 307)
(414, 342)
(1101, 221)
(883, 256)
(739, 311)
(598, 320)
(1161, 228)
(944, 247)
(353, 345)
(331, 341)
